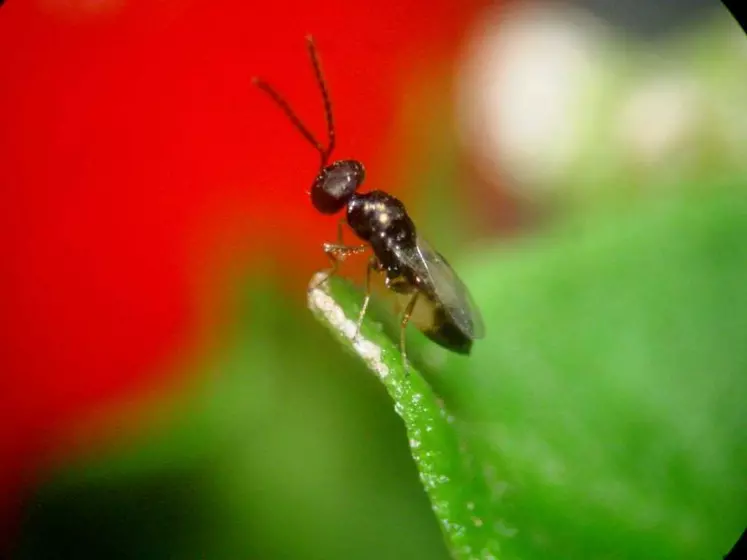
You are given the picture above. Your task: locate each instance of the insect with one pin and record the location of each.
(414, 270)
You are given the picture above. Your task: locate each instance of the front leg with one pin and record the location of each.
(373, 265)
(336, 253)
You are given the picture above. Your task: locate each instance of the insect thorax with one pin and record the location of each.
(381, 220)
(377, 214)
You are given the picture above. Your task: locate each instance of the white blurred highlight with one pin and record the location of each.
(659, 117)
(519, 89)
(551, 98)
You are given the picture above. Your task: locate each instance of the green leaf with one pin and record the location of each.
(455, 484)
(603, 416)
(609, 394)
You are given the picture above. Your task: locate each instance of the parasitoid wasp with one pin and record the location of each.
(414, 270)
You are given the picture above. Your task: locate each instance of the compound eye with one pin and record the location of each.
(335, 185)
(356, 171)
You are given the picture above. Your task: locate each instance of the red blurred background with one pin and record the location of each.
(137, 162)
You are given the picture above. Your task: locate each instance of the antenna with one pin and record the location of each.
(291, 114)
(316, 62)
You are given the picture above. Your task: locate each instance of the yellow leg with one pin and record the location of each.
(406, 319)
(336, 252)
(373, 264)
(339, 231)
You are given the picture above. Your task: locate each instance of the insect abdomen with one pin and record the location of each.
(432, 320)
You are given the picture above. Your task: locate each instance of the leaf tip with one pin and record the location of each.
(323, 305)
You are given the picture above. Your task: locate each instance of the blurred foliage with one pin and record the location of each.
(640, 115)
(605, 410)
(283, 448)
(609, 399)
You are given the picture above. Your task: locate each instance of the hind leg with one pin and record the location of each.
(373, 265)
(403, 325)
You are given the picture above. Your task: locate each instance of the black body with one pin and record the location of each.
(381, 220)
(444, 312)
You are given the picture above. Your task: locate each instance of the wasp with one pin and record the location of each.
(417, 273)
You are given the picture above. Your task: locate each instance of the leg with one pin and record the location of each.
(339, 231)
(406, 319)
(337, 252)
(373, 264)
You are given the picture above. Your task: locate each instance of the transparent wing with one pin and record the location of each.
(442, 283)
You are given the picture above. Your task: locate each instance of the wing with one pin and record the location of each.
(440, 280)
